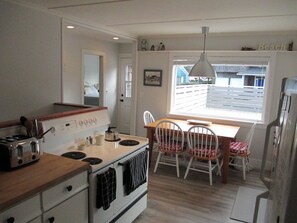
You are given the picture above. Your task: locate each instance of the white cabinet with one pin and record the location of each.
(23, 212)
(67, 201)
(74, 210)
(64, 190)
(36, 220)
(62, 203)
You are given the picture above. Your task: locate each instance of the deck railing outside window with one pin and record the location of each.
(238, 101)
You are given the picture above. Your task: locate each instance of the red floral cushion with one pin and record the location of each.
(240, 148)
(202, 152)
(173, 148)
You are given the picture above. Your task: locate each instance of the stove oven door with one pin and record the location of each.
(124, 201)
(98, 214)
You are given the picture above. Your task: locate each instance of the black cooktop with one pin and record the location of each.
(128, 142)
(74, 155)
(92, 160)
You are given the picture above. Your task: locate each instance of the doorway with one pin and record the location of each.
(125, 94)
(92, 78)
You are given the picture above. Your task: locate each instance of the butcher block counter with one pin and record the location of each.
(20, 184)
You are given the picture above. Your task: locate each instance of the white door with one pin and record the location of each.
(125, 93)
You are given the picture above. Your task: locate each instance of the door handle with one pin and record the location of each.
(121, 100)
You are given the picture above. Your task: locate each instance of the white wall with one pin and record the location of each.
(151, 98)
(72, 69)
(30, 61)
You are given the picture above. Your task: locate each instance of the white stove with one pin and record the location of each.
(108, 153)
(72, 134)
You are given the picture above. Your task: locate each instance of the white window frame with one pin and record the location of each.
(221, 57)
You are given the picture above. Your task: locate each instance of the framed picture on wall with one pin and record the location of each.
(152, 77)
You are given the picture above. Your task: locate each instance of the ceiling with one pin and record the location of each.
(132, 19)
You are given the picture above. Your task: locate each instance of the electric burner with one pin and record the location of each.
(92, 160)
(128, 142)
(74, 155)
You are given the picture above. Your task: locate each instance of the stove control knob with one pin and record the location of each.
(81, 123)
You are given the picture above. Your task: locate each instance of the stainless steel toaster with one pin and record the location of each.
(17, 151)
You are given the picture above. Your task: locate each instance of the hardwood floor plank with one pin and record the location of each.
(175, 200)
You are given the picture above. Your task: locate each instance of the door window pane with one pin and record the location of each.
(128, 81)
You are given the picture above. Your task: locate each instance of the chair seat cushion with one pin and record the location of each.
(203, 153)
(171, 148)
(239, 148)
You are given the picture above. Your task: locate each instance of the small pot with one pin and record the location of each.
(111, 135)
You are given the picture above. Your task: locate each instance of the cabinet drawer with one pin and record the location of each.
(23, 212)
(73, 210)
(64, 190)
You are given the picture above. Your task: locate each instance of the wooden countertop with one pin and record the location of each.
(23, 183)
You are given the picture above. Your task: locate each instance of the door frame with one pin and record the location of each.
(101, 74)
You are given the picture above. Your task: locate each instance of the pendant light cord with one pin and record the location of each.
(204, 31)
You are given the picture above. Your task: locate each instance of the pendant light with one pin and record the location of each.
(203, 68)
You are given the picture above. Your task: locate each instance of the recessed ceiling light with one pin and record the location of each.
(70, 27)
(116, 38)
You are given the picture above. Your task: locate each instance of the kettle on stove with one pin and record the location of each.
(111, 135)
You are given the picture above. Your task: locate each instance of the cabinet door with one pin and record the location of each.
(74, 210)
(22, 212)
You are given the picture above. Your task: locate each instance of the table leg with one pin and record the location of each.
(226, 147)
(150, 136)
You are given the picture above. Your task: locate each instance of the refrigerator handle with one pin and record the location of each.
(266, 180)
(256, 211)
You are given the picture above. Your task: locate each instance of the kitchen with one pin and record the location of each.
(31, 70)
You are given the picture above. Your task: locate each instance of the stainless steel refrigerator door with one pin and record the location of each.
(282, 173)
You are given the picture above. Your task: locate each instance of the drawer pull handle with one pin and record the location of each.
(10, 220)
(69, 188)
(51, 219)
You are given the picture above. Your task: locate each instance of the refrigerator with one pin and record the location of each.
(280, 149)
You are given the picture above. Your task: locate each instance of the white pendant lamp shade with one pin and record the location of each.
(203, 68)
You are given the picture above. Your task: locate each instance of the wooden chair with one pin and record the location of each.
(170, 143)
(203, 151)
(240, 150)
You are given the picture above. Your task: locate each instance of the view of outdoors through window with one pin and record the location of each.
(236, 93)
(128, 81)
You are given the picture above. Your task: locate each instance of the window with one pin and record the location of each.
(236, 94)
(128, 81)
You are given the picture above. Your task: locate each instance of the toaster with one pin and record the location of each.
(17, 151)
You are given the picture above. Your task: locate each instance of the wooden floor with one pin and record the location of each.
(175, 200)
